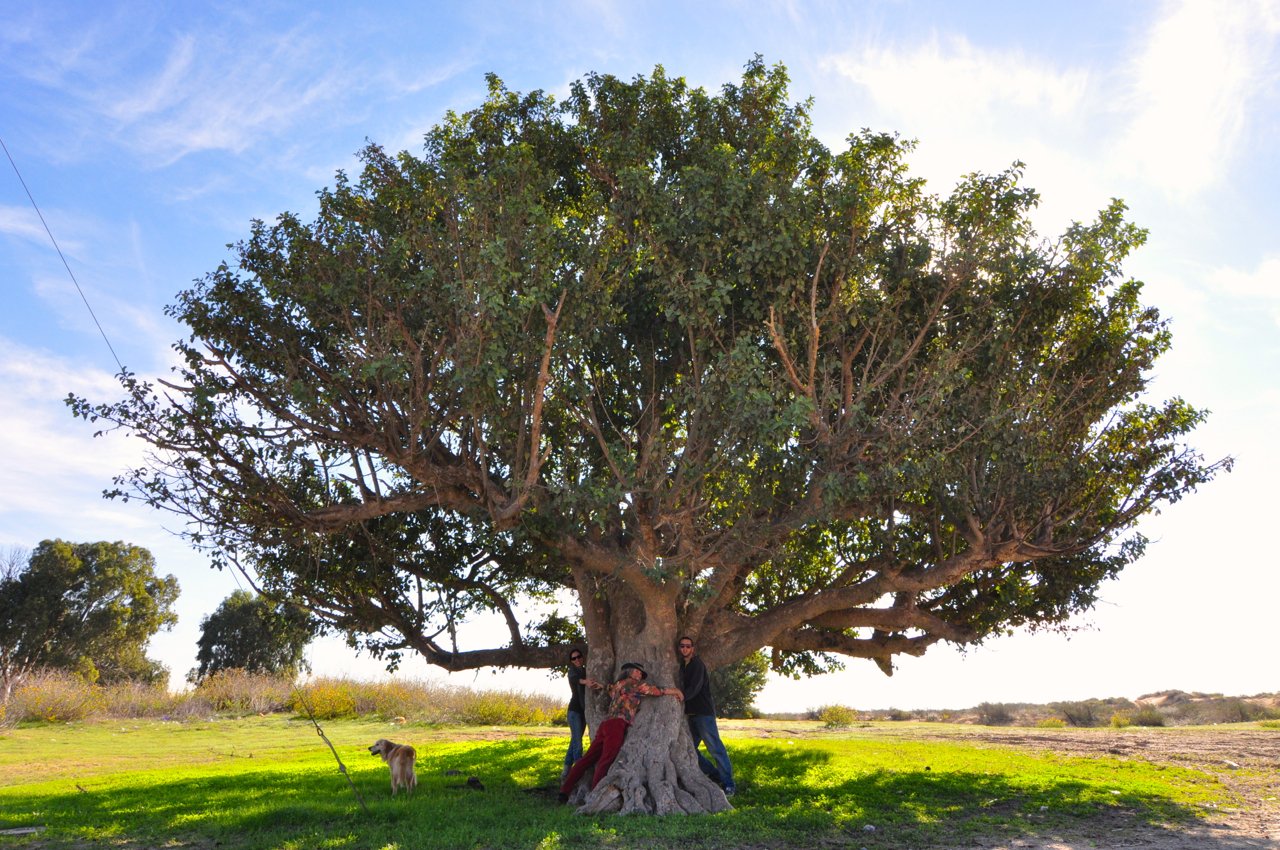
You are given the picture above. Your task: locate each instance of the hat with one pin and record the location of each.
(631, 665)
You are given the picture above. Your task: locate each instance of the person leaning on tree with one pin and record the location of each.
(624, 702)
(700, 709)
(576, 714)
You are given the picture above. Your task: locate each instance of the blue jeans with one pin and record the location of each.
(577, 725)
(704, 730)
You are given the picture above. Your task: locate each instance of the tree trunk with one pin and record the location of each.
(656, 771)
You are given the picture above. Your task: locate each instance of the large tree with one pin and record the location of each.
(250, 632)
(662, 349)
(87, 608)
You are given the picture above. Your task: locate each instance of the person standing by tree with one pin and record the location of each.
(624, 702)
(577, 711)
(700, 708)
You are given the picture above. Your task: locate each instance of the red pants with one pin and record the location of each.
(605, 744)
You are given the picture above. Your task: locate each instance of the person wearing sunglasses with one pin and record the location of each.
(700, 709)
(577, 711)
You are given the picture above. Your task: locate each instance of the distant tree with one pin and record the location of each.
(249, 632)
(663, 349)
(735, 686)
(87, 608)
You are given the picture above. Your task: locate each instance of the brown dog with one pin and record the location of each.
(400, 758)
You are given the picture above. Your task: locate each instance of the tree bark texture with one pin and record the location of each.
(656, 772)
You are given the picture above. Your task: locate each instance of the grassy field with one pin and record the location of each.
(270, 782)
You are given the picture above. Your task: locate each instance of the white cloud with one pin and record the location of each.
(1261, 285)
(960, 86)
(43, 443)
(1172, 119)
(1189, 90)
(22, 222)
(976, 110)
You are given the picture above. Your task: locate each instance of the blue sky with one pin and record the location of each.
(151, 134)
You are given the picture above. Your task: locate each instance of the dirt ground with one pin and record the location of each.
(1247, 761)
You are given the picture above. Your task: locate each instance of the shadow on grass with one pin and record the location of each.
(804, 797)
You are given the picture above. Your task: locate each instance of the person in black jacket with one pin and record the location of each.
(700, 709)
(577, 712)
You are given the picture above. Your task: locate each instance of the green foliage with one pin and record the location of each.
(735, 686)
(1051, 723)
(84, 608)
(837, 716)
(665, 335)
(247, 632)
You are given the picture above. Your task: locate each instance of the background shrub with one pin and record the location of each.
(139, 699)
(325, 699)
(836, 716)
(1051, 723)
(53, 697)
(1147, 715)
(237, 692)
(995, 714)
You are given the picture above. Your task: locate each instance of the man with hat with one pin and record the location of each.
(624, 702)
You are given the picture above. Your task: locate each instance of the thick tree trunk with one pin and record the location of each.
(656, 771)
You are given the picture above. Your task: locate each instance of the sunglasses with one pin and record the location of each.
(574, 657)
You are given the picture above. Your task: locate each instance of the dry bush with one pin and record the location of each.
(53, 697)
(239, 692)
(138, 699)
(995, 714)
(1093, 712)
(327, 699)
(1147, 715)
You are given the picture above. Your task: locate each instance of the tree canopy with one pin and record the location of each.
(249, 632)
(664, 350)
(87, 608)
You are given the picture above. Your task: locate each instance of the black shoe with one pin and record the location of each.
(562, 797)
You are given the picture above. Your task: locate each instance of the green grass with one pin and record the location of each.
(271, 783)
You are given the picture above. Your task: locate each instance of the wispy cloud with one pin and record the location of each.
(1189, 88)
(209, 97)
(22, 222)
(42, 441)
(165, 92)
(1170, 120)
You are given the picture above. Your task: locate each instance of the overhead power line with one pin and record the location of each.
(65, 264)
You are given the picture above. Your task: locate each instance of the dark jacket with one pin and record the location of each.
(696, 686)
(577, 688)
